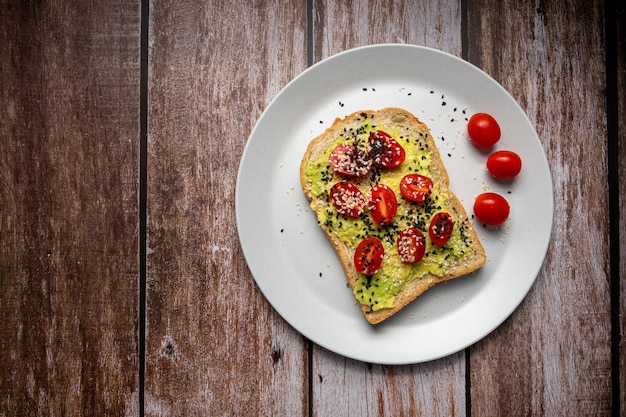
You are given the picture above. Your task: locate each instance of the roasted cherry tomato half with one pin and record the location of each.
(483, 130)
(384, 150)
(416, 187)
(349, 160)
(411, 245)
(492, 209)
(369, 255)
(382, 203)
(441, 227)
(504, 164)
(347, 199)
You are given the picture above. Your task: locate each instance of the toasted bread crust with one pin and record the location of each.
(400, 119)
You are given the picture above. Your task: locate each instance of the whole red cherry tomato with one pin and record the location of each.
(504, 164)
(369, 255)
(492, 209)
(483, 130)
(383, 204)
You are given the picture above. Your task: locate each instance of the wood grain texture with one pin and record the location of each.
(553, 357)
(69, 131)
(343, 387)
(214, 344)
(620, 19)
(343, 25)
(347, 387)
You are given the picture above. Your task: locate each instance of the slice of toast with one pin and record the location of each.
(395, 284)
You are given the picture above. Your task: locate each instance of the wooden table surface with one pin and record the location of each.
(123, 287)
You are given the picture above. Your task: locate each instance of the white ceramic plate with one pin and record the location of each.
(291, 259)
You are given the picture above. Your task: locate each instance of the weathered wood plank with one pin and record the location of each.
(214, 344)
(552, 357)
(343, 25)
(620, 18)
(347, 387)
(69, 134)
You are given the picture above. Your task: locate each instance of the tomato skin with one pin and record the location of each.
(416, 187)
(383, 204)
(384, 150)
(483, 130)
(440, 229)
(347, 199)
(411, 245)
(349, 160)
(491, 208)
(368, 256)
(504, 164)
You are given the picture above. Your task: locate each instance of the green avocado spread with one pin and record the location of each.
(378, 291)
